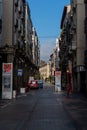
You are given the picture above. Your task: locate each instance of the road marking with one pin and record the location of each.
(6, 105)
(21, 95)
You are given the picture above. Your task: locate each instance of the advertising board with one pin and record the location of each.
(58, 81)
(7, 74)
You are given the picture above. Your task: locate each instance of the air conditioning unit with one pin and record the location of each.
(73, 47)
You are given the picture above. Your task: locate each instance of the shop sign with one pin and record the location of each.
(80, 68)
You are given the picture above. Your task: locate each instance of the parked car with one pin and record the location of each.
(40, 83)
(33, 84)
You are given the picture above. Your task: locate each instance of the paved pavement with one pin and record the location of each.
(76, 108)
(4, 102)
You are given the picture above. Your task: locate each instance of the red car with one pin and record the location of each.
(33, 84)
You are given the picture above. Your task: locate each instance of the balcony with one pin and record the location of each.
(60, 54)
(16, 2)
(22, 30)
(22, 33)
(73, 46)
(31, 45)
(19, 26)
(71, 33)
(22, 16)
(16, 23)
(71, 16)
(64, 47)
(64, 64)
(74, 27)
(19, 6)
(63, 32)
(74, 6)
(15, 39)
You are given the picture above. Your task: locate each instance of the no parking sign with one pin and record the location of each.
(20, 71)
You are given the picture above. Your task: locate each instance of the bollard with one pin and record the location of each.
(14, 94)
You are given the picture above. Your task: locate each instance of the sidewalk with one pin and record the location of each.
(4, 102)
(76, 106)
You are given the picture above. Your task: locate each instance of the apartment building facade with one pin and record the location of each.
(78, 46)
(35, 47)
(75, 39)
(12, 37)
(85, 30)
(64, 43)
(45, 71)
(16, 43)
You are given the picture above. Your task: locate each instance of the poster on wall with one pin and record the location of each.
(57, 80)
(7, 76)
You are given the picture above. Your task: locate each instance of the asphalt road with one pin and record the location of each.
(40, 109)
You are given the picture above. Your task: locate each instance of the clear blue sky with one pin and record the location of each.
(46, 17)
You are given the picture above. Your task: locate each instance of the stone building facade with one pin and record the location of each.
(16, 43)
(85, 30)
(73, 33)
(45, 71)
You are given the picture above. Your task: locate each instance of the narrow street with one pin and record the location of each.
(41, 109)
